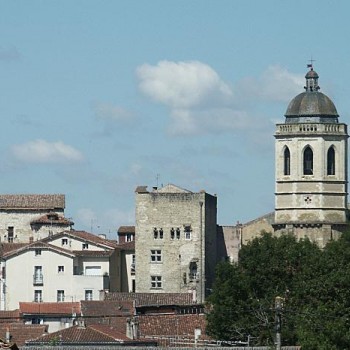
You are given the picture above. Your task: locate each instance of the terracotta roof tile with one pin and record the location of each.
(32, 201)
(6, 248)
(94, 334)
(126, 229)
(152, 299)
(36, 245)
(84, 236)
(52, 218)
(171, 325)
(93, 253)
(20, 332)
(64, 308)
(9, 316)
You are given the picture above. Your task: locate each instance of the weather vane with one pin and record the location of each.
(311, 64)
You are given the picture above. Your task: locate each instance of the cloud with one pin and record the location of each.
(199, 101)
(182, 84)
(111, 113)
(275, 84)
(9, 54)
(41, 151)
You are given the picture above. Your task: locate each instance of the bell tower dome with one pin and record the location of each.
(311, 166)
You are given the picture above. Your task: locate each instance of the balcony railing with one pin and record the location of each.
(38, 279)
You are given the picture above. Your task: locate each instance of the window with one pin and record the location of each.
(38, 275)
(286, 161)
(88, 294)
(331, 161)
(38, 296)
(60, 295)
(177, 233)
(308, 161)
(133, 263)
(158, 234)
(85, 246)
(187, 231)
(174, 234)
(156, 255)
(37, 252)
(10, 234)
(193, 275)
(64, 241)
(60, 269)
(156, 282)
(129, 237)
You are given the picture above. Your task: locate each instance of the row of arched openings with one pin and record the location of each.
(308, 161)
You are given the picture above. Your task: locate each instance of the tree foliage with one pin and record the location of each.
(314, 282)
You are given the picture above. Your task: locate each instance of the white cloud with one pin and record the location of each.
(41, 151)
(201, 102)
(281, 85)
(182, 84)
(110, 112)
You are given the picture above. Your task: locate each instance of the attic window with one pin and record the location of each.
(85, 246)
(64, 241)
(37, 252)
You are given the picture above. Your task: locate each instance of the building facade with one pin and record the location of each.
(311, 153)
(175, 240)
(29, 217)
(67, 267)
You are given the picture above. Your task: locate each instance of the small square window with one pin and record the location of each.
(156, 282)
(156, 255)
(37, 252)
(64, 241)
(60, 269)
(85, 246)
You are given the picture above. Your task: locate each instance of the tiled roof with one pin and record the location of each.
(152, 299)
(171, 325)
(84, 236)
(100, 334)
(127, 246)
(20, 332)
(32, 201)
(102, 308)
(6, 248)
(126, 229)
(36, 245)
(52, 219)
(9, 316)
(64, 308)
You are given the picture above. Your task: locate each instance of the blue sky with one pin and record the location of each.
(98, 97)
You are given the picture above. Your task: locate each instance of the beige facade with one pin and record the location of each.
(30, 217)
(175, 241)
(311, 153)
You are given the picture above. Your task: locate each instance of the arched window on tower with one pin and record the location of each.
(308, 161)
(286, 161)
(331, 161)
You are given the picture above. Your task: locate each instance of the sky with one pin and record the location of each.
(99, 97)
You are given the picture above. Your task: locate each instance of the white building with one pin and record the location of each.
(68, 266)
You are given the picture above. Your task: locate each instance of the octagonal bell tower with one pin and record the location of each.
(311, 167)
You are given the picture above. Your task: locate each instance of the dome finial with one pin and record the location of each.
(311, 78)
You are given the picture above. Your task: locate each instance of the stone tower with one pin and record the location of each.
(175, 241)
(311, 167)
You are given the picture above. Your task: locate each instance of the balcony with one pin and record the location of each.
(38, 279)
